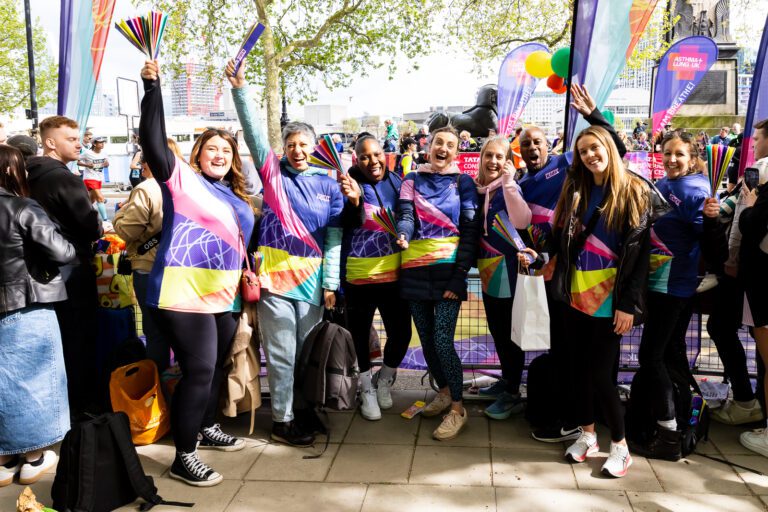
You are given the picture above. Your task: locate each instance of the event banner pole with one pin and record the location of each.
(757, 108)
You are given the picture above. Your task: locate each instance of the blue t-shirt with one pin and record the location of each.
(675, 236)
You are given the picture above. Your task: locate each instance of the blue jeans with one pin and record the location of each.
(158, 348)
(34, 410)
(285, 324)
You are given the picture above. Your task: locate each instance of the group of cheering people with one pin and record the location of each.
(614, 248)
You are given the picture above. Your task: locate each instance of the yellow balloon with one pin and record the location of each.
(539, 64)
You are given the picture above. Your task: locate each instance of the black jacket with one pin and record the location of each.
(31, 249)
(634, 261)
(64, 198)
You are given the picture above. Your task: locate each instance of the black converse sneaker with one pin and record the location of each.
(188, 468)
(212, 438)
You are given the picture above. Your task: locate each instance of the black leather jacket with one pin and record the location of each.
(31, 250)
(632, 274)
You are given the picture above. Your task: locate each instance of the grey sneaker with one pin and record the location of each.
(437, 406)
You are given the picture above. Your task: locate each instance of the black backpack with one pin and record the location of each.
(692, 412)
(540, 410)
(99, 469)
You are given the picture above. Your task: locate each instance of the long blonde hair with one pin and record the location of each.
(626, 196)
(498, 140)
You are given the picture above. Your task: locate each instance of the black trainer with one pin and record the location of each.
(288, 433)
(212, 438)
(556, 434)
(665, 445)
(188, 468)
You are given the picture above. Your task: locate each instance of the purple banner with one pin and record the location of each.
(65, 57)
(680, 71)
(249, 42)
(516, 87)
(757, 108)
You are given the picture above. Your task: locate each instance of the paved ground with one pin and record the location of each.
(394, 465)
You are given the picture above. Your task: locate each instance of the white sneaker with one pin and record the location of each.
(733, 413)
(33, 471)
(384, 393)
(369, 405)
(9, 470)
(618, 461)
(438, 405)
(755, 440)
(583, 447)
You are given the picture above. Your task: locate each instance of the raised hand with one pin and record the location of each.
(581, 100)
(151, 70)
(236, 79)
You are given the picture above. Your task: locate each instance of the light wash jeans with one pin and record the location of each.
(285, 324)
(34, 410)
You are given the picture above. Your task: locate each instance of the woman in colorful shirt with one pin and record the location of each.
(601, 228)
(437, 229)
(300, 245)
(371, 266)
(505, 210)
(194, 282)
(672, 284)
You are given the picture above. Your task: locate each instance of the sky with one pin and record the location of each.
(442, 80)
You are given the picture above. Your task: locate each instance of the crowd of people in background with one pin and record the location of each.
(596, 231)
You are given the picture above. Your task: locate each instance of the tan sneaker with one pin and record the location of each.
(735, 413)
(452, 424)
(437, 406)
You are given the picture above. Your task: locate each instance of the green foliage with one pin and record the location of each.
(351, 125)
(407, 127)
(14, 75)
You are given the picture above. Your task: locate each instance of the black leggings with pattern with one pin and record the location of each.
(436, 324)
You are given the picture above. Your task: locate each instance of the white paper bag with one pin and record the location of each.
(530, 314)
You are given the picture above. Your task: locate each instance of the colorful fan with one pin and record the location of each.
(503, 227)
(326, 156)
(253, 35)
(718, 159)
(385, 218)
(144, 32)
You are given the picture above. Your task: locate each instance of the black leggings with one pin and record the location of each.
(594, 348)
(498, 312)
(662, 348)
(723, 328)
(362, 303)
(436, 323)
(200, 343)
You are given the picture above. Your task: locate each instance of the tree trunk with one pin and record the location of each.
(272, 89)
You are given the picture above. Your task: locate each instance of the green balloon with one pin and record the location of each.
(560, 61)
(608, 115)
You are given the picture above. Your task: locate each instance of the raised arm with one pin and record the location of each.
(154, 141)
(253, 133)
(583, 102)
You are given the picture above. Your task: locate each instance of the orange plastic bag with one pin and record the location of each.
(135, 390)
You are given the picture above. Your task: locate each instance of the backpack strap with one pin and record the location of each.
(142, 484)
(86, 466)
(323, 362)
(322, 416)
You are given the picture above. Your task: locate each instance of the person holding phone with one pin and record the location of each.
(753, 260)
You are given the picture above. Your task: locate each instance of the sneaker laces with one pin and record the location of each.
(586, 439)
(215, 433)
(195, 466)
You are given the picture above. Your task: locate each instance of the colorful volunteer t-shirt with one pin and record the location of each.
(593, 274)
(675, 236)
(437, 203)
(541, 191)
(369, 252)
(200, 257)
(497, 259)
(95, 173)
(300, 230)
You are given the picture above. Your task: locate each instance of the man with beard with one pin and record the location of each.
(541, 187)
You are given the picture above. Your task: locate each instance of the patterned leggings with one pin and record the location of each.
(436, 323)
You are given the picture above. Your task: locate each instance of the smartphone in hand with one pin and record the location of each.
(751, 177)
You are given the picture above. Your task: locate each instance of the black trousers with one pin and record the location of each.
(593, 348)
(561, 357)
(77, 322)
(362, 303)
(498, 312)
(200, 343)
(662, 348)
(723, 328)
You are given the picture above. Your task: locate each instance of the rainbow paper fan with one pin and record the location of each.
(385, 218)
(144, 32)
(249, 41)
(718, 159)
(325, 155)
(503, 227)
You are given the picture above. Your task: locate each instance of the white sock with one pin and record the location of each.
(387, 373)
(668, 424)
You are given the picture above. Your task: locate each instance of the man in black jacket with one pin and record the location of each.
(65, 199)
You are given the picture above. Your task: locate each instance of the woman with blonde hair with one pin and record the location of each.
(601, 227)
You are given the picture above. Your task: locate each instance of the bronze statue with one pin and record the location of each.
(476, 120)
(709, 18)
